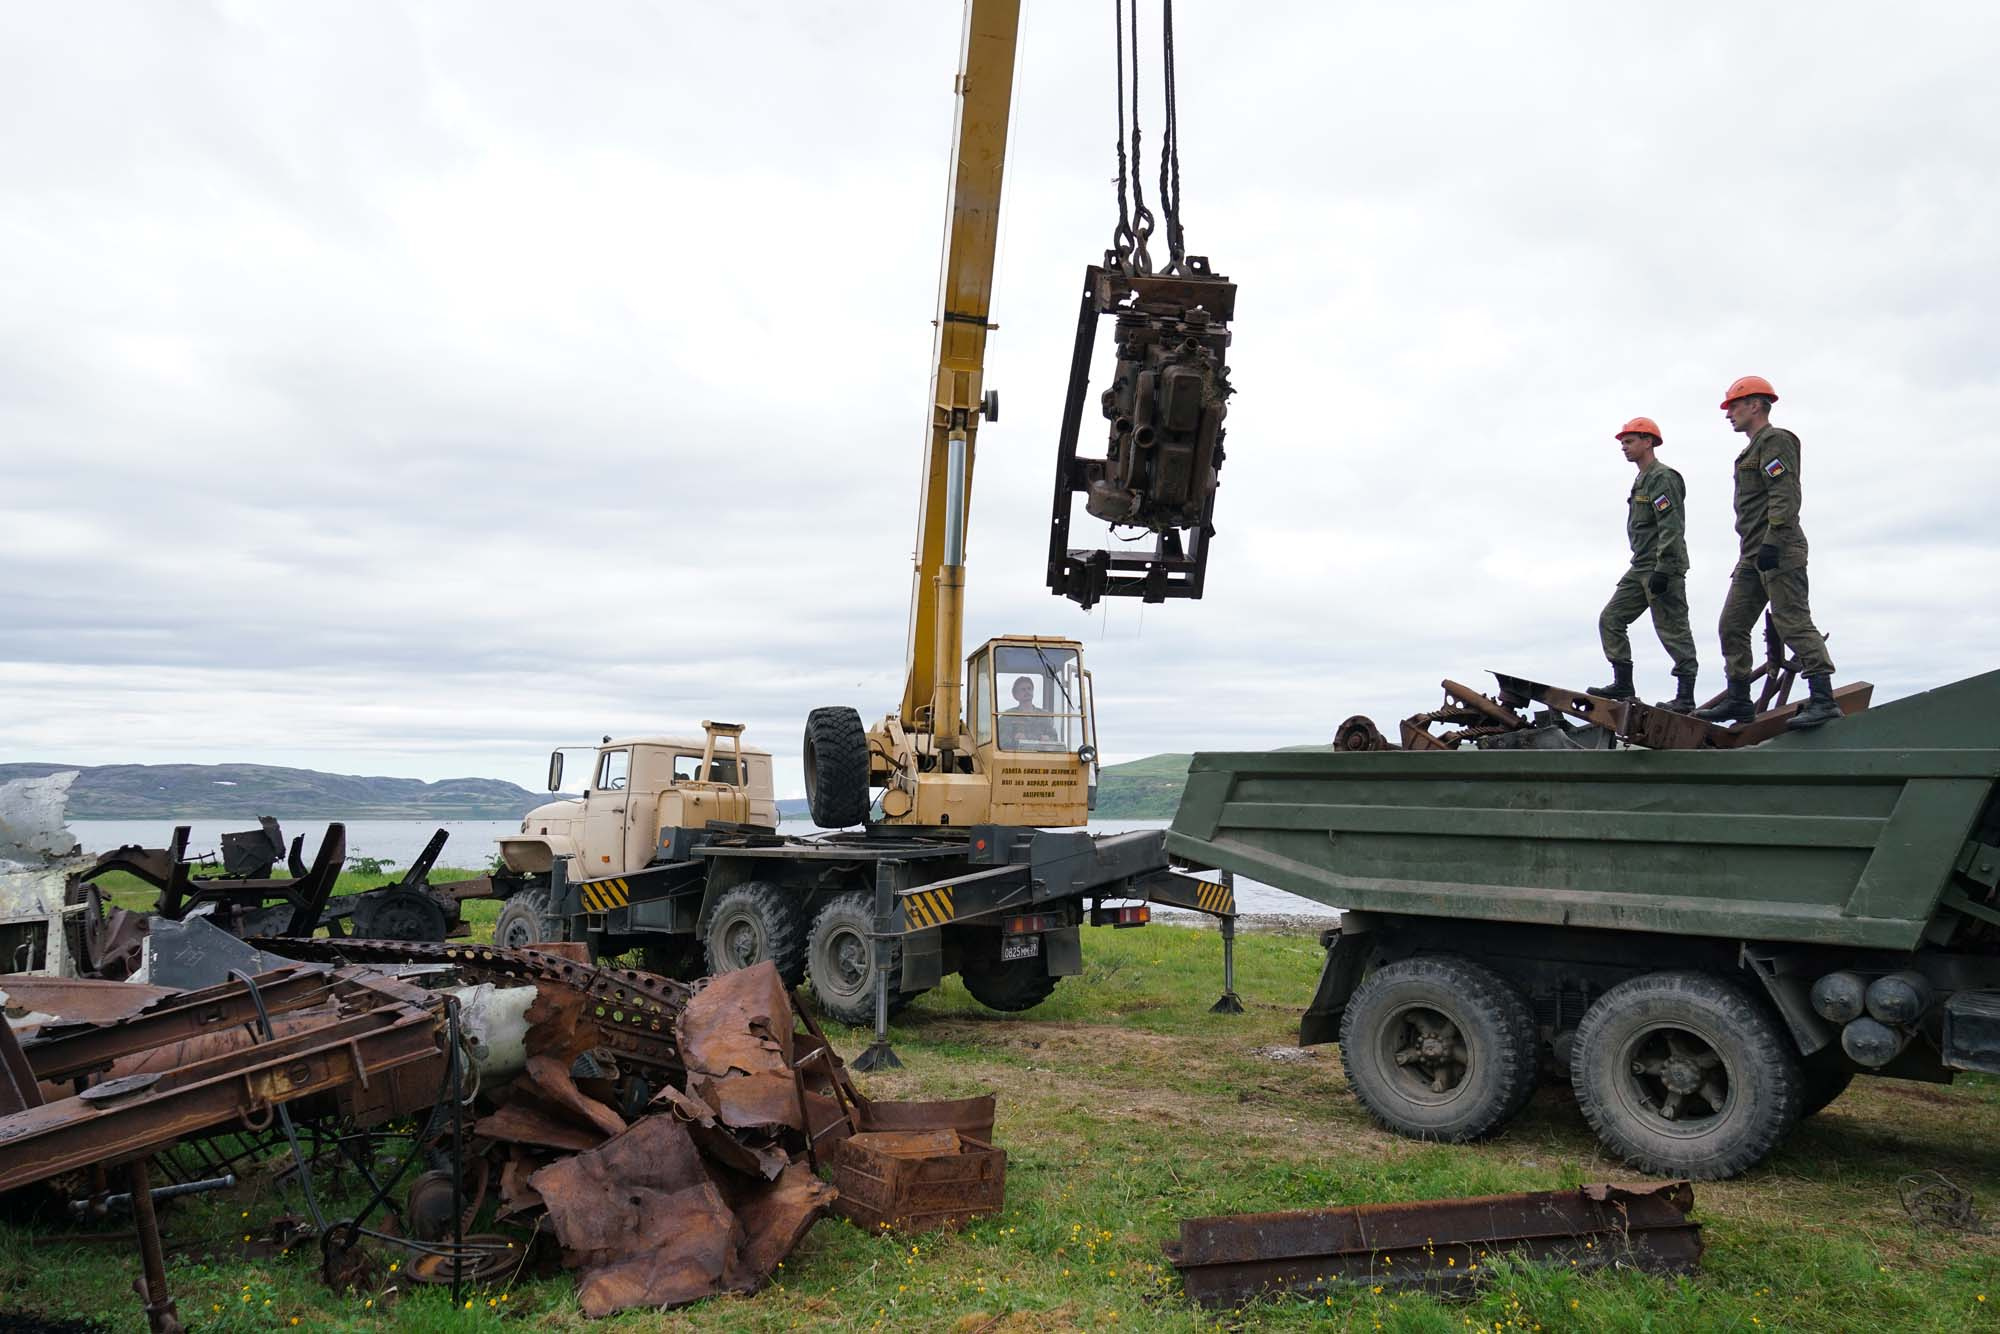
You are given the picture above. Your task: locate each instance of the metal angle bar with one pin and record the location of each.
(1438, 1244)
(73, 1051)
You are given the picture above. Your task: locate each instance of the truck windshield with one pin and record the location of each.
(1041, 697)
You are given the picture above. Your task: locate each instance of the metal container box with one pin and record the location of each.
(917, 1180)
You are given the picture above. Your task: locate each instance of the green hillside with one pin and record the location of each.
(1147, 789)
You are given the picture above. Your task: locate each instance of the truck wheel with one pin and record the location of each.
(836, 752)
(840, 959)
(753, 922)
(1819, 1088)
(527, 919)
(1438, 1047)
(1018, 984)
(1682, 1074)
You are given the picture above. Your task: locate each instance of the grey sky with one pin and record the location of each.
(407, 390)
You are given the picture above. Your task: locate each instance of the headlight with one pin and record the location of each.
(1088, 754)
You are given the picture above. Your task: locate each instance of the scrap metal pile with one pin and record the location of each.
(245, 900)
(667, 1137)
(1579, 720)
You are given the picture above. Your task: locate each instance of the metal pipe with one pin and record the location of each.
(160, 1314)
(99, 1207)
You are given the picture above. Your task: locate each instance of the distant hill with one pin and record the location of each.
(1147, 789)
(227, 791)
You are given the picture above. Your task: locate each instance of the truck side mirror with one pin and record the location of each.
(555, 771)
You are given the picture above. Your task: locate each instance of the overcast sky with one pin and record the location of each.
(409, 389)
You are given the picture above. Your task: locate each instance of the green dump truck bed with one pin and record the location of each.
(1845, 836)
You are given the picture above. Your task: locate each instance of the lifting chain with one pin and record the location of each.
(1136, 223)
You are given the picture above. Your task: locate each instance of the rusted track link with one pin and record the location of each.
(377, 1031)
(1438, 1244)
(74, 1050)
(634, 1012)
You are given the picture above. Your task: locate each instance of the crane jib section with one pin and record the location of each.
(965, 287)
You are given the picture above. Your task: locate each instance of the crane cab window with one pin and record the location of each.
(1040, 697)
(982, 700)
(614, 770)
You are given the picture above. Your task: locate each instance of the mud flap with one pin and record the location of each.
(923, 960)
(1063, 950)
(1347, 950)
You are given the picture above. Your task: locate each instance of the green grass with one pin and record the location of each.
(1125, 1106)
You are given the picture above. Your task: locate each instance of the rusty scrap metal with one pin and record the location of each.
(1483, 721)
(917, 1180)
(632, 1011)
(378, 1026)
(1442, 1245)
(30, 1001)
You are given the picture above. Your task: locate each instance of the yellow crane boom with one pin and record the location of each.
(965, 289)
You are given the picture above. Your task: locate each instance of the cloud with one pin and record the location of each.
(410, 390)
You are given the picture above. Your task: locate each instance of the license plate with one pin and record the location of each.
(1019, 947)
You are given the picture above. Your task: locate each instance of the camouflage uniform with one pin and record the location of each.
(1767, 514)
(1657, 530)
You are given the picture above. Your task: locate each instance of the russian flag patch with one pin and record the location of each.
(1774, 469)
(1663, 503)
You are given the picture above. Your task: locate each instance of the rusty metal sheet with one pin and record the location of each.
(639, 1217)
(76, 1000)
(1435, 1244)
(756, 1158)
(775, 1218)
(972, 1118)
(736, 1041)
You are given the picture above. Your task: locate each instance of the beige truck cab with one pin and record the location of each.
(640, 789)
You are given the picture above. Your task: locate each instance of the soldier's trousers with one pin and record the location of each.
(1785, 590)
(1630, 601)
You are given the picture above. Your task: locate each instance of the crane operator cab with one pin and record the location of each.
(1029, 712)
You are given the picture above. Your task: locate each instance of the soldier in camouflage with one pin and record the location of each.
(1656, 526)
(1772, 565)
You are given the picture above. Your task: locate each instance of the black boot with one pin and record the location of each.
(1818, 708)
(1621, 683)
(1683, 700)
(1734, 707)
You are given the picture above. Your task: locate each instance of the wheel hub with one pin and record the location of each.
(1682, 1075)
(850, 960)
(741, 940)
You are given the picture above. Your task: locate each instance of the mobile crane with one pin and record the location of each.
(973, 859)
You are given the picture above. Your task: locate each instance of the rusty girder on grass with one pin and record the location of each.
(1442, 1245)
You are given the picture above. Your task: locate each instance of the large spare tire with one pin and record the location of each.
(836, 755)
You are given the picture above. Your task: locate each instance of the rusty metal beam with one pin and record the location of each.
(379, 1027)
(1443, 1245)
(66, 1053)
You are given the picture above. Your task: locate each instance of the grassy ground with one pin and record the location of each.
(1125, 1106)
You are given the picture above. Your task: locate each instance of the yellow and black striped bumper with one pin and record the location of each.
(1219, 899)
(604, 895)
(928, 907)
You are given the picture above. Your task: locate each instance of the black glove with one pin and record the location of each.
(1767, 557)
(1656, 583)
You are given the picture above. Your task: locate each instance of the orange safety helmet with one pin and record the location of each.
(1746, 386)
(1641, 426)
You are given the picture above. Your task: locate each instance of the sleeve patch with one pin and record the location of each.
(1663, 502)
(1774, 469)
